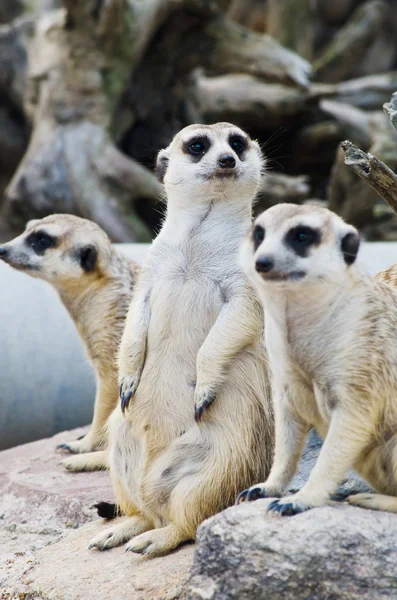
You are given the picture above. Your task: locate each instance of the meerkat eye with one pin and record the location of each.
(301, 238)
(304, 236)
(40, 241)
(258, 235)
(197, 146)
(237, 143)
(44, 241)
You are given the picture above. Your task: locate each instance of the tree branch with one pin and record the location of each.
(352, 41)
(390, 109)
(373, 171)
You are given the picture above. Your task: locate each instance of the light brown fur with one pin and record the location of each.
(193, 336)
(331, 335)
(97, 298)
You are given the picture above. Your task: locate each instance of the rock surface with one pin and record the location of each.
(331, 553)
(43, 556)
(46, 522)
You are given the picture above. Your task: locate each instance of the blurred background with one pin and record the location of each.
(90, 90)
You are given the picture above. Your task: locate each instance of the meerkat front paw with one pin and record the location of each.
(82, 445)
(204, 396)
(256, 492)
(289, 506)
(127, 388)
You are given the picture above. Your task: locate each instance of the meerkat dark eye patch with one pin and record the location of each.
(238, 143)
(40, 241)
(301, 238)
(196, 147)
(258, 235)
(350, 245)
(88, 257)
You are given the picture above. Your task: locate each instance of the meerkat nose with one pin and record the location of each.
(227, 162)
(3, 252)
(264, 264)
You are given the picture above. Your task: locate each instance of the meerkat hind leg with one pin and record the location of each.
(120, 533)
(92, 461)
(374, 502)
(158, 541)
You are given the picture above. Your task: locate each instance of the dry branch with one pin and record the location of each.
(245, 100)
(14, 61)
(367, 93)
(349, 46)
(278, 187)
(250, 13)
(291, 22)
(373, 171)
(390, 109)
(234, 49)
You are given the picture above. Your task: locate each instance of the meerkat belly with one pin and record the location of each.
(182, 312)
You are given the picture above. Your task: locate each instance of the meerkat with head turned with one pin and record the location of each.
(197, 423)
(95, 284)
(331, 339)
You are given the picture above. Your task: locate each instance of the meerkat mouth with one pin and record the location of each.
(221, 174)
(20, 266)
(293, 276)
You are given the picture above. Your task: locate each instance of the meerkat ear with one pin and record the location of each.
(349, 245)
(162, 164)
(88, 257)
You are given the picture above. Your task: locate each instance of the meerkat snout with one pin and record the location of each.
(291, 243)
(227, 162)
(264, 264)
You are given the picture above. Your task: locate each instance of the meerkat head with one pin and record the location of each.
(60, 249)
(289, 244)
(206, 162)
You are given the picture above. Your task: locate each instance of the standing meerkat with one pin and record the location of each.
(331, 339)
(95, 284)
(193, 338)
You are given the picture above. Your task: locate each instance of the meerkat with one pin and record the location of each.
(330, 334)
(194, 424)
(95, 284)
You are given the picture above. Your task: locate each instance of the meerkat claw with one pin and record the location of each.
(256, 493)
(252, 494)
(203, 404)
(242, 497)
(125, 400)
(64, 447)
(127, 389)
(288, 509)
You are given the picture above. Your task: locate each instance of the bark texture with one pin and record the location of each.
(90, 91)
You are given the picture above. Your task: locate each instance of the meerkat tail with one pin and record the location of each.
(374, 502)
(107, 510)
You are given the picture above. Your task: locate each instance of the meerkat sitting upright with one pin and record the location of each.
(95, 284)
(193, 338)
(331, 339)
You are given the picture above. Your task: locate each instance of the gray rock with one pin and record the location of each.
(332, 553)
(46, 523)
